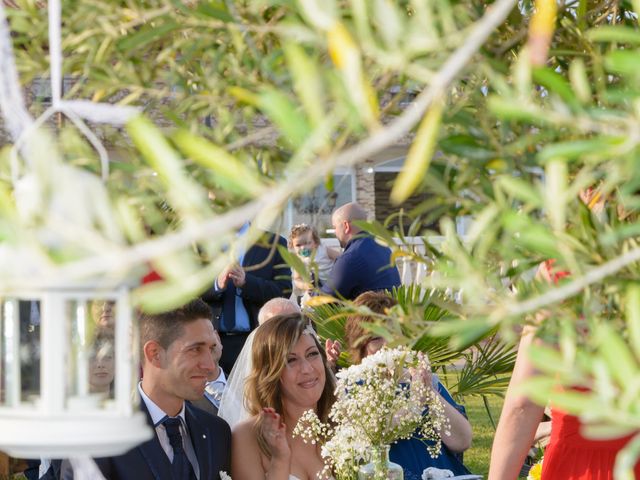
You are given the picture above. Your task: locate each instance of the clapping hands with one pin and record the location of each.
(274, 432)
(233, 272)
(333, 349)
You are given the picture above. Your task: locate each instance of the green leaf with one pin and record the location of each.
(580, 80)
(482, 223)
(531, 235)
(217, 10)
(463, 332)
(228, 172)
(186, 195)
(306, 81)
(520, 189)
(376, 229)
(547, 359)
(508, 109)
(130, 221)
(419, 156)
(172, 292)
(378, 331)
(295, 263)
(575, 149)
(555, 188)
(146, 35)
(466, 146)
(389, 23)
(633, 316)
(285, 115)
(624, 62)
(555, 83)
(540, 388)
(573, 402)
(610, 33)
(616, 354)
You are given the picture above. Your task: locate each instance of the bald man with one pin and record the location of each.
(365, 265)
(277, 306)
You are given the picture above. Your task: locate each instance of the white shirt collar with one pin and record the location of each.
(221, 377)
(157, 414)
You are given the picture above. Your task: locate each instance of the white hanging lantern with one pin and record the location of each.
(68, 373)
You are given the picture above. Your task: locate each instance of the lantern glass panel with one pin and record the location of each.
(91, 362)
(19, 352)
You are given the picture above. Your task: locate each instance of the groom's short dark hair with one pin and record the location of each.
(166, 327)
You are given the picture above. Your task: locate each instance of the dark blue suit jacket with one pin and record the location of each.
(363, 266)
(271, 280)
(211, 439)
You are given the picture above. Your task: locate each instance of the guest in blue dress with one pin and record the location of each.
(411, 454)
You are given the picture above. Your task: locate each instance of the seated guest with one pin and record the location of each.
(254, 277)
(365, 264)
(232, 407)
(188, 443)
(289, 376)
(305, 242)
(411, 454)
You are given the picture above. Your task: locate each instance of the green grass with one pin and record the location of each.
(477, 457)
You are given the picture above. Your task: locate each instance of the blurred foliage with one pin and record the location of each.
(278, 88)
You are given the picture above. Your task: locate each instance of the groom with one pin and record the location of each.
(189, 443)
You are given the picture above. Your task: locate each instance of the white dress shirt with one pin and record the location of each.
(157, 415)
(213, 390)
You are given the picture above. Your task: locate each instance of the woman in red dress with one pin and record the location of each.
(569, 455)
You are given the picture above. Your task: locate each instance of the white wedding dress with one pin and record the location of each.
(232, 407)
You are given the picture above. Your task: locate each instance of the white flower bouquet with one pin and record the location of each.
(385, 398)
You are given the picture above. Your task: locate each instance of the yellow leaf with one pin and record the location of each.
(497, 164)
(98, 95)
(320, 300)
(396, 254)
(541, 28)
(345, 55)
(419, 157)
(244, 95)
(229, 172)
(342, 49)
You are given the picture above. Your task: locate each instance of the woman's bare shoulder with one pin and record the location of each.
(246, 460)
(245, 428)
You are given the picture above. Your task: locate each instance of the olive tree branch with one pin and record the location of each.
(558, 294)
(273, 200)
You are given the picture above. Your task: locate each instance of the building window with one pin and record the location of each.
(316, 206)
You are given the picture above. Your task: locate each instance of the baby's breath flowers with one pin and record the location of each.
(385, 398)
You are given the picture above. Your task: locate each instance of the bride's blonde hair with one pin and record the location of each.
(272, 343)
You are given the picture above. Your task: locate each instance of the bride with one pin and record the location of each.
(289, 376)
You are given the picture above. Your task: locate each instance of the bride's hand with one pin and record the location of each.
(275, 434)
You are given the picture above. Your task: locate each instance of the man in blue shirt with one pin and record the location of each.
(365, 265)
(242, 288)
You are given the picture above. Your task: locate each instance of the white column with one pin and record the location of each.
(126, 357)
(53, 358)
(11, 334)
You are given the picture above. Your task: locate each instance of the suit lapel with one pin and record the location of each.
(201, 441)
(249, 258)
(257, 253)
(153, 453)
(204, 404)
